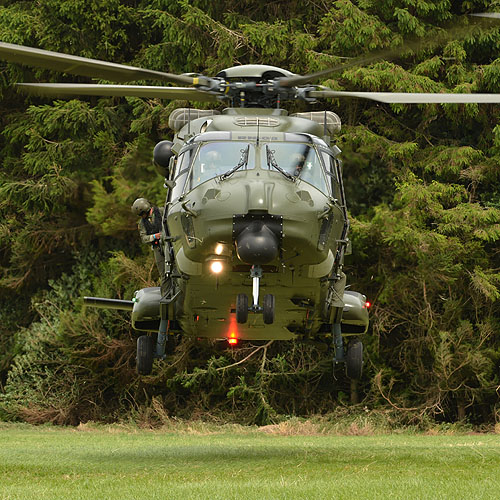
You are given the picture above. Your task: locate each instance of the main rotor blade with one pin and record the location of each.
(79, 89)
(410, 97)
(83, 66)
(492, 15)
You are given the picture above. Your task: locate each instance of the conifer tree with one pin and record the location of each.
(422, 183)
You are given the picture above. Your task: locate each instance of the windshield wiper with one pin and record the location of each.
(271, 162)
(242, 163)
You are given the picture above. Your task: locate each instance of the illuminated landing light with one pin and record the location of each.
(216, 267)
(219, 249)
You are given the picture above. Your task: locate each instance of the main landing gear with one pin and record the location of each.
(145, 355)
(268, 302)
(353, 358)
(147, 349)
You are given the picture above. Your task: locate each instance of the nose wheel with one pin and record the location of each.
(268, 303)
(268, 309)
(241, 308)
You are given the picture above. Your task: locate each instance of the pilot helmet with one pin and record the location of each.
(298, 158)
(140, 207)
(212, 156)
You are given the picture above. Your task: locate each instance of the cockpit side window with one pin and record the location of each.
(300, 160)
(181, 172)
(217, 158)
(332, 174)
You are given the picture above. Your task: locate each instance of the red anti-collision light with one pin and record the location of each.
(368, 304)
(232, 339)
(232, 331)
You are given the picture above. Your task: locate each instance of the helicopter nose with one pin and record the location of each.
(257, 244)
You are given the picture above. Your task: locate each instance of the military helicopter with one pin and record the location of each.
(255, 226)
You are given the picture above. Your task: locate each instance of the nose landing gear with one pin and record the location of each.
(268, 302)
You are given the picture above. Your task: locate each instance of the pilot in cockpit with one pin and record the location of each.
(308, 169)
(209, 165)
(298, 161)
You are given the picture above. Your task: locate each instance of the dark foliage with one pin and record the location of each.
(423, 192)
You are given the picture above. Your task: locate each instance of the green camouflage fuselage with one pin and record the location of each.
(201, 221)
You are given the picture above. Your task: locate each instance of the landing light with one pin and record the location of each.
(216, 266)
(219, 249)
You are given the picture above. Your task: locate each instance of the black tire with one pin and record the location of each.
(145, 355)
(268, 309)
(241, 308)
(354, 360)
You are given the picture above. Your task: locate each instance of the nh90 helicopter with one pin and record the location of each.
(255, 226)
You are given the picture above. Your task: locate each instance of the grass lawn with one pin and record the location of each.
(113, 462)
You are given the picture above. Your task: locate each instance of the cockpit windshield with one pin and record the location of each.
(294, 160)
(218, 158)
(297, 159)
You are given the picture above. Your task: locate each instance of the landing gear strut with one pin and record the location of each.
(268, 303)
(256, 274)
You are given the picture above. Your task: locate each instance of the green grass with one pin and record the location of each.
(113, 462)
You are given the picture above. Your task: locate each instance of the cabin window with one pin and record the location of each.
(217, 158)
(300, 160)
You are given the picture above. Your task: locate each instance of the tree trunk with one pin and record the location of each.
(460, 410)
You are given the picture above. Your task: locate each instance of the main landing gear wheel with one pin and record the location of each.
(354, 360)
(145, 355)
(268, 309)
(241, 308)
